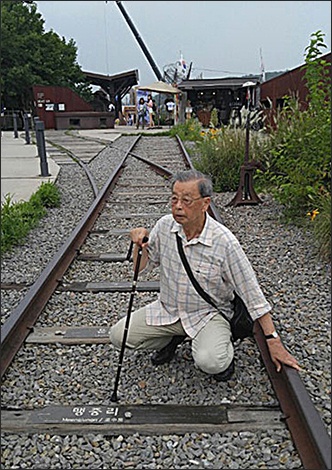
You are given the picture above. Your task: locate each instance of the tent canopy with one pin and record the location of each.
(160, 87)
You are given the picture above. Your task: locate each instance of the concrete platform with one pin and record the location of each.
(21, 168)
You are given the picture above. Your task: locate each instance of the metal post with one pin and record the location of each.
(40, 138)
(246, 193)
(26, 128)
(15, 125)
(140, 42)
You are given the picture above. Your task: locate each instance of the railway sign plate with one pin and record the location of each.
(145, 419)
(152, 414)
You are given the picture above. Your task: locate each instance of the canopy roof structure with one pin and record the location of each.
(160, 87)
(232, 83)
(114, 85)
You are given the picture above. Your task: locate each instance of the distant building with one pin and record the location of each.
(290, 83)
(224, 94)
(62, 108)
(228, 95)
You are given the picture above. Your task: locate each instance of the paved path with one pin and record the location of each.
(21, 168)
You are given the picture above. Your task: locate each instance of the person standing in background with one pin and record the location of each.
(189, 110)
(141, 111)
(150, 109)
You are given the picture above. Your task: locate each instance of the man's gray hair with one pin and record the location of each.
(204, 182)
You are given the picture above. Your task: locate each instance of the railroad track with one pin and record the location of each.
(96, 261)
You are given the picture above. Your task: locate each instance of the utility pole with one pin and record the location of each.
(140, 42)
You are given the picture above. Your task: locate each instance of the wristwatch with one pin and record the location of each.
(272, 335)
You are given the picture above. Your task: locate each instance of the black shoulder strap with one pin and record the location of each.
(199, 289)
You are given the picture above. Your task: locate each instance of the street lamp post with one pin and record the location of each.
(246, 193)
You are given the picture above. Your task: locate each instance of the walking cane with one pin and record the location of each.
(125, 331)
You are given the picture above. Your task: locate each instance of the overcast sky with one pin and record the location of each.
(220, 38)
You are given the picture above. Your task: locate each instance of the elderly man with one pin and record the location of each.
(220, 266)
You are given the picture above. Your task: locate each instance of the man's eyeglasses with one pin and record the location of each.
(186, 201)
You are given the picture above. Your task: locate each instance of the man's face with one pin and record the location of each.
(188, 207)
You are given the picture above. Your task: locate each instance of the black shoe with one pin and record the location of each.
(166, 354)
(226, 374)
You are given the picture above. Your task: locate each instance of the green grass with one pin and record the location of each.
(18, 219)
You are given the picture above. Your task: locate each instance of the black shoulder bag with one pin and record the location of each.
(241, 323)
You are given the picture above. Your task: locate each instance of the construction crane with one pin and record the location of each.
(140, 42)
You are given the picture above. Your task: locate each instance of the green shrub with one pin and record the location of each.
(214, 118)
(321, 223)
(298, 153)
(297, 157)
(190, 130)
(17, 219)
(47, 194)
(221, 154)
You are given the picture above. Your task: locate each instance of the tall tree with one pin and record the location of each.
(30, 56)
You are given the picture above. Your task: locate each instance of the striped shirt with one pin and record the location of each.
(220, 266)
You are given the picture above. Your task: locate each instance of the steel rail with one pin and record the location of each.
(162, 170)
(81, 164)
(21, 321)
(307, 429)
(87, 171)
